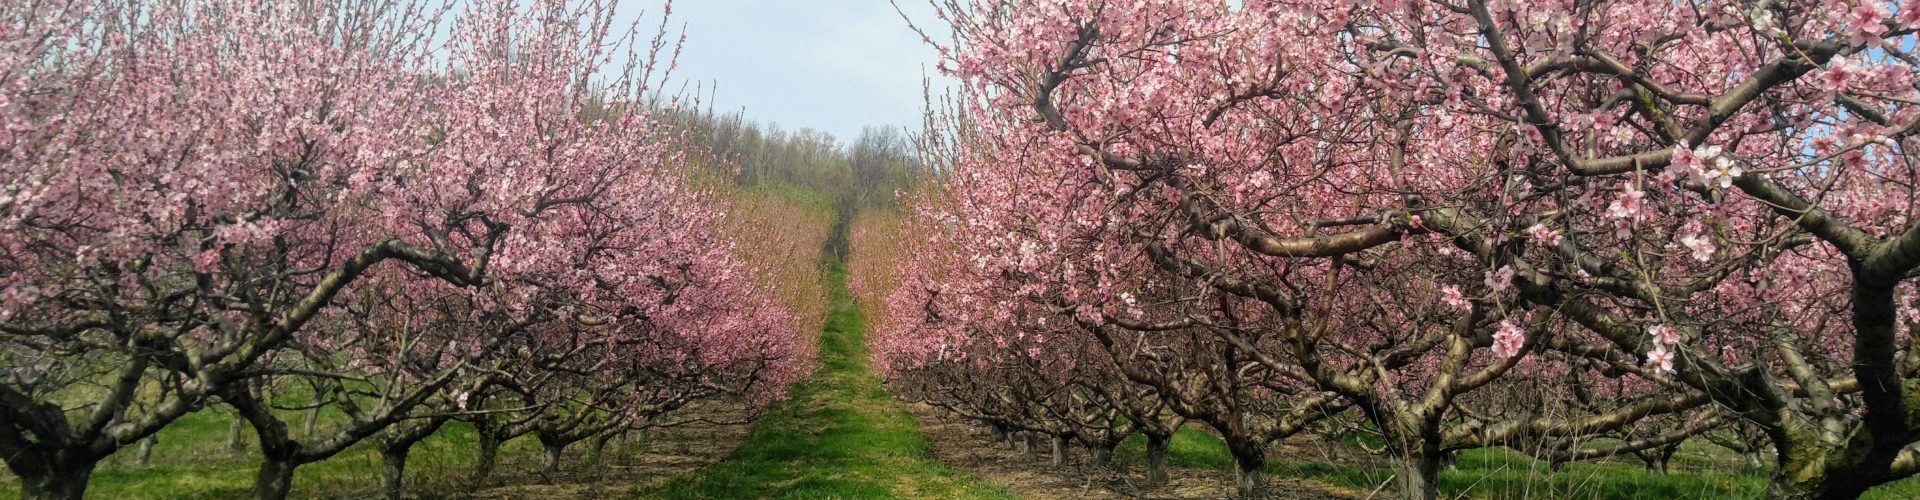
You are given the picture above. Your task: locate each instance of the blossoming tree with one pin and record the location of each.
(1709, 199)
(201, 196)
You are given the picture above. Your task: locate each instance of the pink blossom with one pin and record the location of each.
(1541, 235)
(205, 262)
(1712, 166)
(1660, 359)
(1686, 159)
(1701, 246)
(1838, 76)
(1867, 21)
(1451, 296)
(1663, 335)
(1508, 339)
(1501, 280)
(1627, 206)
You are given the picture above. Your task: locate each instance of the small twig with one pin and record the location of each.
(1382, 486)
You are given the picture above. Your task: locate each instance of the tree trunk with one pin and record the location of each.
(56, 482)
(1101, 454)
(280, 454)
(393, 470)
(313, 419)
(396, 443)
(550, 457)
(144, 455)
(237, 435)
(600, 445)
(1665, 457)
(1028, 442)
(1249, 469)
(1418, 473)
(1782, 488)
(313, 414)
(1060, 450)
(1250, 477)
(1836, 487)
(275, 479)
(1803, 467)
(1157, 459)
(484, 456)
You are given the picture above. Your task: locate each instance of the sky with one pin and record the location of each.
(831, 65)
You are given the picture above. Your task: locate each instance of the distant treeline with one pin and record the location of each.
(807, 164)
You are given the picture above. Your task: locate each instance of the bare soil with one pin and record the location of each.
(664, 453)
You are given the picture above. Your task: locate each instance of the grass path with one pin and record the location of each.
(839, 436)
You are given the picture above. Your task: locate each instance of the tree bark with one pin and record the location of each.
(1804, 468)
(485, 455)
(66, 481)
(1839, 486)
(275, 479)
(313, 415)
(144, 455)
(1249, 469)
(600, 445)
(1060, 450)
(1783, 488)
(393, 470)
(1658, 458)
(1028, 442)
(1419, 472)
(1101, 454)
(550, 452)
(237, 434)
(280, 454)
(1157, 459)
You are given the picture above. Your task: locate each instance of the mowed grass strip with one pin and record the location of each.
(839, 436)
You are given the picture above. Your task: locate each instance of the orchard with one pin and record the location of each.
(1565, 229)
(1125, 248)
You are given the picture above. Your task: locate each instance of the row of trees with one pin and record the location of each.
(1528, 225)
(405, 213)
(1022, 384)
(862, 173)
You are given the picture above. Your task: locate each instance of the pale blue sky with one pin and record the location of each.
(832, 65)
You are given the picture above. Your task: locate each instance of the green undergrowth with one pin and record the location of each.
(191, 460)
(839, 436)
(1699, 471)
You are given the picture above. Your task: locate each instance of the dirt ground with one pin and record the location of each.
(669, 451)
(971, 448)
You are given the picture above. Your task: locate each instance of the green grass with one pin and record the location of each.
(191, 460)
(840, 436)
(1699, 471)
(1190, 447)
